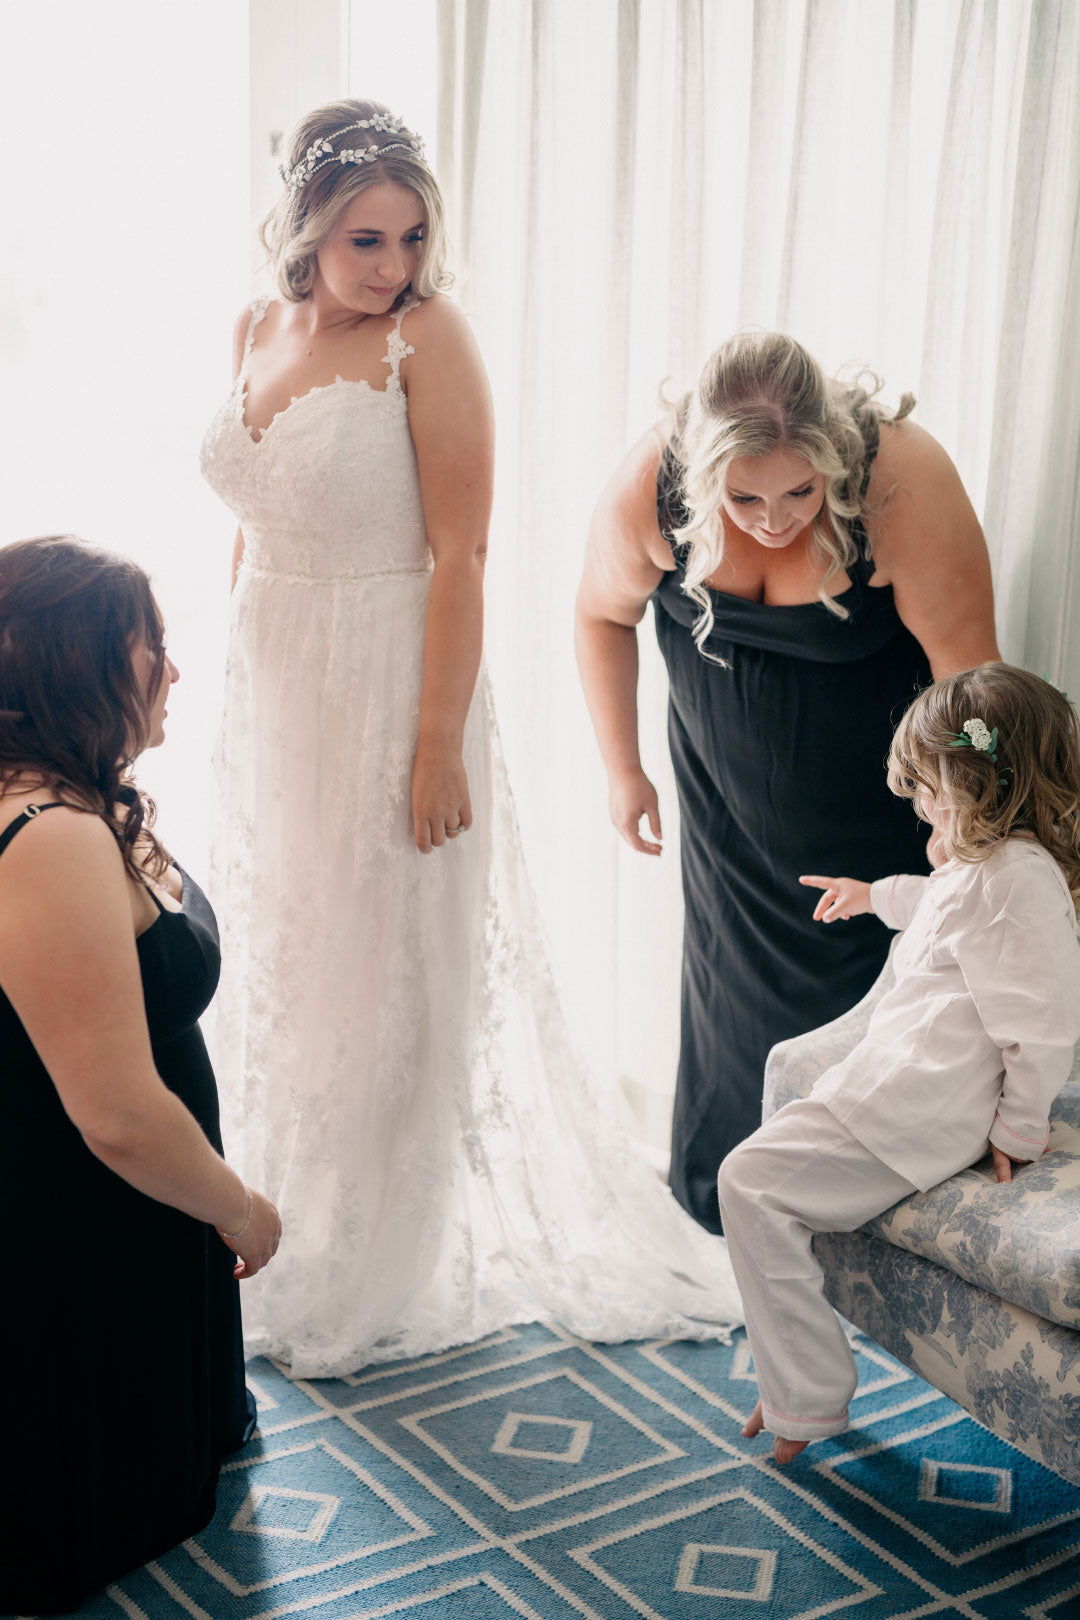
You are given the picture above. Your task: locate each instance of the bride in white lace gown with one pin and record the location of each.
(394, 1066)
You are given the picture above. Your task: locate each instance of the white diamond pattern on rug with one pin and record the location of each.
(280, 1511)
(996, 1486)
(619, 1443)
(962, 1505)
(798, 1576)
(302, 1510)
(265, 1400)
(692, 1577)
(534, 1477)
(742, 1364)
(580, 1433)
(696, 1369)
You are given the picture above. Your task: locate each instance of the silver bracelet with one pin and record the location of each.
(232, 1236)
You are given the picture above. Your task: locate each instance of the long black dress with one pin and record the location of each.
(122, 1381)
(779, 762)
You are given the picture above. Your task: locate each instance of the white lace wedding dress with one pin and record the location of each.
(394, 1067)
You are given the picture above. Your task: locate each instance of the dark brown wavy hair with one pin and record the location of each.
(72, 711)
(1030, 785)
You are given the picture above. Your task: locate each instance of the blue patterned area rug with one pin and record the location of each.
(534, 1476)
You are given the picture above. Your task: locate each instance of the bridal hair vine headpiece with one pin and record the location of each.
(977, 735)
(321, 153)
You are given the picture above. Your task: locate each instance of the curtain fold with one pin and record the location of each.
(1031, 517)
(635, 179)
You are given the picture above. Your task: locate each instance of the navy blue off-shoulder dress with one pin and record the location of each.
(780, 767)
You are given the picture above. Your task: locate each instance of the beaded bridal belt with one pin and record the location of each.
(287, 578)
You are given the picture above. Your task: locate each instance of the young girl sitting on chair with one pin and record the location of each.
(967, 1050)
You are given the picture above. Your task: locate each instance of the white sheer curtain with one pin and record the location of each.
(630, 181)
(125, 141)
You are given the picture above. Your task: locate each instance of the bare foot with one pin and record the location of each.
(754, 1423)
(783, 1450)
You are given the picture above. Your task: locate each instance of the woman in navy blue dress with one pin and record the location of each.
(125, 1232)
(813, 561)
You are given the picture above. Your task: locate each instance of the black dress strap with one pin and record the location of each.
(28, 814)
(150, 891)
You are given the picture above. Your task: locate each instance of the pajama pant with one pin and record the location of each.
(801, 1173)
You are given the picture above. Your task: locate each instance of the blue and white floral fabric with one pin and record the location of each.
(1015, 1372)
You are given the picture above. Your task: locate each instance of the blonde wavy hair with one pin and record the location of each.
(759, 392)
(1033, 784)
(299, 223)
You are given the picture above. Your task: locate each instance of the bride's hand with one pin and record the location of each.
(440, 797)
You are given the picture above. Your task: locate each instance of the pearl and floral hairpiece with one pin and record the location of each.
(977, 735)
(322, 152)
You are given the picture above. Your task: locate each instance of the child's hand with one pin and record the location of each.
(843, 898)
(1003, 1165)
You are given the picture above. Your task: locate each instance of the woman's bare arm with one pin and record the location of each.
(625, 558)
(928, 545)
(452, 426)
(69, 966)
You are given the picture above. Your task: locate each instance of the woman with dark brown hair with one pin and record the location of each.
(124, 1380)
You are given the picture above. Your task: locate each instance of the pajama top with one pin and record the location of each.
(976, 1037)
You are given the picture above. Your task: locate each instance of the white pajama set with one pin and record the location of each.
(970, 1046)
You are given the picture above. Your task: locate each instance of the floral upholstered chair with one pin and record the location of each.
(974, 1285)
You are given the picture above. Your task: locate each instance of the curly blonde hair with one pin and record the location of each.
(759, 392)
(1031, 786)
(301, 220)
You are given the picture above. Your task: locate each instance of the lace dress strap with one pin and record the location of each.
(396, 346)
(258, 309)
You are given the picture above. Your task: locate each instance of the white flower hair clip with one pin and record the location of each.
(978, 736)
(322, 152)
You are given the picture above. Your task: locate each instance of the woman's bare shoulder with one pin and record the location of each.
(626, 554)
(916, 496)
(66, 839)
(440, 343)
(908, 454)
(928, 546)
(625, 511)
(630, 492)
(435, 318)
